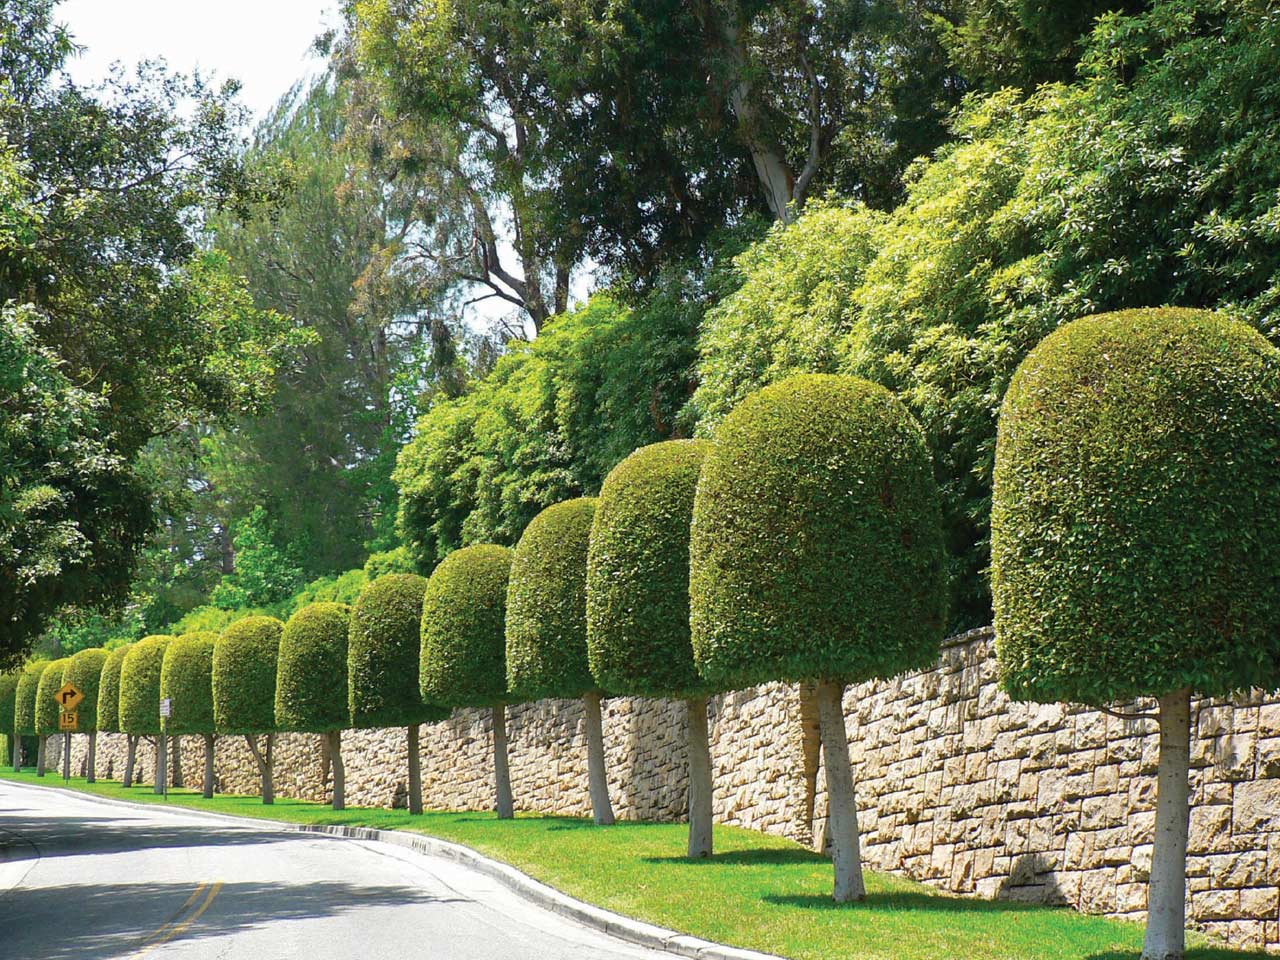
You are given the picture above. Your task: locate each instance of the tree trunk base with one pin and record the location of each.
(501, 772)
(333, 740)
(1166, 937)
(842, 814)
(700, 817)
(415, 770)
(597, 777)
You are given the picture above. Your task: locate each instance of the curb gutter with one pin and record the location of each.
(616, 925)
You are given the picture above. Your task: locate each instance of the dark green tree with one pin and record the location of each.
(8, 703)
(244, 688)
(47, 708)
(109, 707)
(24, 706)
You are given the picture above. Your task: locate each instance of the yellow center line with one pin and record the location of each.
(173, 928)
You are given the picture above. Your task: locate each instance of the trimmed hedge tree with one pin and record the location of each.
(384, 647)
(24, 706)
(463, 660)
(547, 627)
(244, 689)
(311, 681)
(638, 599)
(816, 555)
(109, 707)
(47, 708)
(84, 669)
(186, 681)
(140, 697)
(1136, 536)
(8, 702)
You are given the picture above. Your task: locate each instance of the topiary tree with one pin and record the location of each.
(109, 707)
(186, 681)
(384, 647)
(638, 599)
(84, 669)
(547, 626)
(24, 706)
(8, 702)
(816, 555)
(140, 698)
(463, 664)
(312, 666)
(244, 689)
(47, 708)
(1136, 536)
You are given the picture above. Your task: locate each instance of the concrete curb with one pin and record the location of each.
(616, 925)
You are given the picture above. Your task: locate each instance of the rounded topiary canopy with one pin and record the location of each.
(547, 605)
(463, 628)
(47, 707)
(816, 546)
(311, 680)
(24, 703)
(109, 690)
(1136, 512)
(244, 676)
(8, 701)
(140, 685)
(383, 649)
(638, 573)
(85, 671)
(186, 680)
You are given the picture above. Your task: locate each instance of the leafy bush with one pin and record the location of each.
(186, 680)
(384, 647)
(24, 708)
(547, 605)
(638, 573)
(398, 560)
(344, 588)
(312, 672)
(816, 546)
(47, 707)
(8, 701)
(84, 669)
(264, 573)
(140, 685)
(210, 619)
(109, 689)
(1136, 524)
(463, 628)
(244, 676)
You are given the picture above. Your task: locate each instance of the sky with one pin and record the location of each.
(262, 43)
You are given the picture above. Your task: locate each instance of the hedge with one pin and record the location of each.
(816, 547)
(8, 701)
(244, 676)
(1136, 515)
(547, 605)
(47, 707)
(109, 690)
(638, 573)
(24, 710)
(384, 647)
(140, 685)
(464, 615)
(186, 680)
(311, 679)
(85, 671)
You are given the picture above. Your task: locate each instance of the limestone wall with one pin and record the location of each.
(957, 786)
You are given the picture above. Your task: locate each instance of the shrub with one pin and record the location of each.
(186, 680)
(24, 703)
(398, 560)
(85, 670)
(8, 702)
(140, 685)
(311, 679)
(384, 649)
(109, 690)
(463, 628)
(244, 676)
(638, 573)
(47, 707)
(547, 605)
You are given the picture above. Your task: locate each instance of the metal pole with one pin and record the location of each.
(66, 758)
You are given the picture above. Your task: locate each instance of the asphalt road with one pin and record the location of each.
(82, 880)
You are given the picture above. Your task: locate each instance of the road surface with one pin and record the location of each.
(82, 880)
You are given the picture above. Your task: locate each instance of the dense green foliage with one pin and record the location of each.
(547, 605)
(264, 572)
(1136, 523)
(47, 706)
(109, 689)
(311, 678)
(186, 679)
(244, 676)
(638, 573)
(464, 615)
(140, 685)
(816, 548)
(384, 648)
(24, 703)
(84, 669)
(8, 702)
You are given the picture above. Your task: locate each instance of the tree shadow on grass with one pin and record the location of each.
(905, 901)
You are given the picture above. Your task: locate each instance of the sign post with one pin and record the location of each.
(68, 697)
(166, 711)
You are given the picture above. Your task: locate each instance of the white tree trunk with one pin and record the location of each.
(175, 763)
(700, 840)
(842, 814)
(415, 771)
(91, 775)
(334, 738)
(162, 762)
(15, 745)
(130, 759)
(209, 741)
(1167, 896)
(40, 751)
(501, 771)
(597, 778)
(264, 761)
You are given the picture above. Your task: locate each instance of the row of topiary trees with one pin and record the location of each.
(1136, 550)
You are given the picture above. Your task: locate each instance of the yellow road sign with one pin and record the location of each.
(68, 720)
(68, 697)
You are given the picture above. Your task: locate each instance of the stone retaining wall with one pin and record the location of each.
(957, 786)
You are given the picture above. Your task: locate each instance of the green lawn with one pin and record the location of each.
(758, 891)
